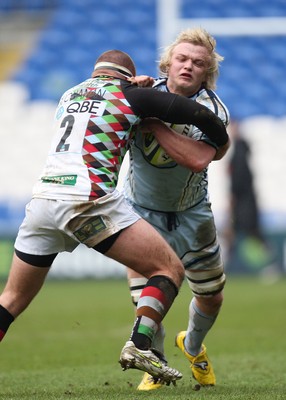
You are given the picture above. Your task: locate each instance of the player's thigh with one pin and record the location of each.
(23, 283)
(141, 248)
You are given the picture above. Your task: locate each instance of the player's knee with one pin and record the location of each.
(211, 304)
(217, 300)
(181, 272)
(178, 274)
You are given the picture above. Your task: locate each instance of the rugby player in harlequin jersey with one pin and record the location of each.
(75, 201)
(94, 122)
(168, 187)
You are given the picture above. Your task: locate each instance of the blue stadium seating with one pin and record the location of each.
(252, 80)
(252, 73)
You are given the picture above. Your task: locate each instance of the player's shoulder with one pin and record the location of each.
(210, 99)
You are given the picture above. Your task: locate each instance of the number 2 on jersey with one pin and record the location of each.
(67, 123)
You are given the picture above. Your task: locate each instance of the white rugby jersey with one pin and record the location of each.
(154, 180)
(93, 122)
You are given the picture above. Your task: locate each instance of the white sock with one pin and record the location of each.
(199, 325)
(158, 341)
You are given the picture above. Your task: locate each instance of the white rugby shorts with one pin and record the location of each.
(54, 226)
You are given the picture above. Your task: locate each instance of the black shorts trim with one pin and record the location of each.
(105, 245)
(36, 261)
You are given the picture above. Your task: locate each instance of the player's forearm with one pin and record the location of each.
(185, 151)
(176, 109)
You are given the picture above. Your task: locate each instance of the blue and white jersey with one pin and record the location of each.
(154, 180)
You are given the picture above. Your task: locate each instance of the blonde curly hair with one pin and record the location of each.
(200, 37)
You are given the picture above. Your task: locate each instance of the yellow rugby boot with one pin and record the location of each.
(201, 366)
(149, 383)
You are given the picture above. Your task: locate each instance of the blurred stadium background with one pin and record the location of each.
(46, 46)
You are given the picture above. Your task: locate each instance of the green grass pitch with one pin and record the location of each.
(66, 345)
